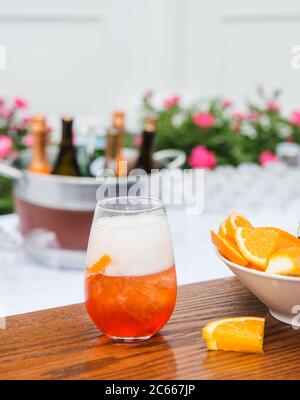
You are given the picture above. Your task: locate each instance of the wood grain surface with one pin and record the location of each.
(63, 343)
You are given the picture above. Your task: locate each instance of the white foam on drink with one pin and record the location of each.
(138, 244)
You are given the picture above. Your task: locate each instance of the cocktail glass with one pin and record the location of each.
(130, 282)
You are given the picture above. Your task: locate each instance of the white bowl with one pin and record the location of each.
(281, 294)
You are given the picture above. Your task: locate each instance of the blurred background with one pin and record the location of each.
(221, 78)
(90, 57)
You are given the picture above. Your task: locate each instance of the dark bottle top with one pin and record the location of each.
(145, 160)
(66, 162)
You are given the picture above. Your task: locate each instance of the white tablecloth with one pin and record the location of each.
(25, 286)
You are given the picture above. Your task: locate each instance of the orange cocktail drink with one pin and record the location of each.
(131, 306)
(130, 277)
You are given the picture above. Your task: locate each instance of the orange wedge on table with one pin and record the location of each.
(245, 334)
(234, 221)
(257, 244)
(285, 262)
(100, 265)
(228, 249)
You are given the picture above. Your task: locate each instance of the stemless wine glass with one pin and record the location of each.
(130, 284)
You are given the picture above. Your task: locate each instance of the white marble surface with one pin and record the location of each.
(26, 286)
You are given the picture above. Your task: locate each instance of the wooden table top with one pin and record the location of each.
(62, 343)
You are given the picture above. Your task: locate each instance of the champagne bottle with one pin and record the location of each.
(39, 163)
(66, 162)
(118, 121)
(114, 144)
(145, 159)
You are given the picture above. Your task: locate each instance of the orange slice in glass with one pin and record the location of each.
(245, 334)
(285, 262)
(228, 249)
(100, 265)
(257, 244)
(234, 221)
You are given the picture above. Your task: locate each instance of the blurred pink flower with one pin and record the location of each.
(6, 112)
(267, 157)
(226, 103)
(254, 116)
(74, 137)
(16, 128)
(295, 118)
(2, 101)
(20, 103)
(236, 128)
(6, 145)
(49, 129)
(239, 116)
(273, 106)
(26, 120)
(149, 93)
(171, 101)
(28, 140)
(138, 140)
(201, 157)
(205, 120)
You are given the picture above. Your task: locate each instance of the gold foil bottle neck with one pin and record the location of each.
(38, 125)
(38, 118)
(67, 118)
(150, 124)
(118, 119)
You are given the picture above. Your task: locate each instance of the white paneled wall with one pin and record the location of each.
(234, 45)
(88, 57)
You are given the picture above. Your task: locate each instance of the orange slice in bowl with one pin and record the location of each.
(234, 221)
(286, 240)
(100, 265)
(228, 249)
(245, 334)
(255, 267)
(257, 244)
(285, 262)
(223, 230)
